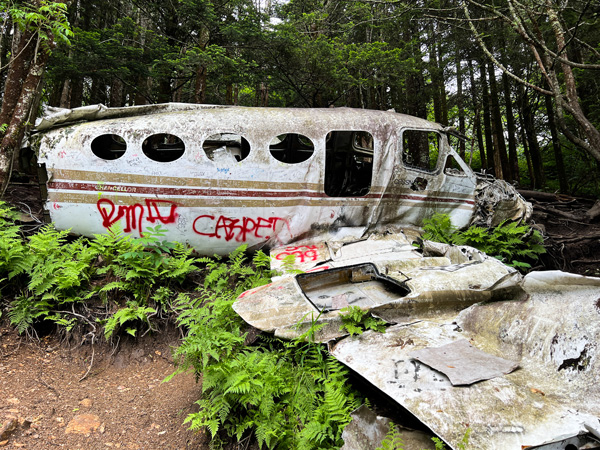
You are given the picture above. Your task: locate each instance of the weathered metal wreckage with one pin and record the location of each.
(472, 344)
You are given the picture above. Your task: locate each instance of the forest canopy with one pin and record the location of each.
(518, 78)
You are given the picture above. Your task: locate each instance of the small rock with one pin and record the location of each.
(8, 428)
(86, 403)
(83, 424)
(3, 443)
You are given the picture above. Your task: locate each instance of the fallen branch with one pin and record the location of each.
(566, 215)
(575, 239)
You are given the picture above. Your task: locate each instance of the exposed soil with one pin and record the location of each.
(122, 403)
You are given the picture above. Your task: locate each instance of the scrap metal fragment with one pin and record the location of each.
(367, 430)
(464, 364)
(552, 398)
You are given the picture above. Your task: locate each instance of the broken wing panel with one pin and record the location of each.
(553, 395)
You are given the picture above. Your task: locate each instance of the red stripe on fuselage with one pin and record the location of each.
(202, 192)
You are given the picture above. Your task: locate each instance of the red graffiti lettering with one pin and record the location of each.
(303, 254)
(135, 214)
(237, 229)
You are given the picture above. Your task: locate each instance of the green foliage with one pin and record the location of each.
(131, 313)
(462, 445)
(392, 440)
(439, 229)
(51, 276)
(292, 395)
(48, 19)
(355, 321)
(515, 244)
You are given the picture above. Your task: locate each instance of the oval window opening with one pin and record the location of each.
(109, 146)
(163, 147)
(291, 148)
(226, 148)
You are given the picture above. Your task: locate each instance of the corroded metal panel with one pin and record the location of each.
(554, 395)
(367, 274)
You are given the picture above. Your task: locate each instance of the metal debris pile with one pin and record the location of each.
(471, 343)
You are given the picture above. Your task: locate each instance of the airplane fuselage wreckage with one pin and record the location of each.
(471, 343)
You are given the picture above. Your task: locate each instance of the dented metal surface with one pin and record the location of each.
(527, 365)
(346, 176)
(386, 276)
(552, 399)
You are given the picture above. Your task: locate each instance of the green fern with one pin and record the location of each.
(355, 321)
(131, 313)
(515, 244)
(392, 440)
(290, 394)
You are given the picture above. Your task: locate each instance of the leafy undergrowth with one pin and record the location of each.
(515, 244)
(109, 283)
(286, 395)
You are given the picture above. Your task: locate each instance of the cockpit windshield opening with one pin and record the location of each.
(420, 149)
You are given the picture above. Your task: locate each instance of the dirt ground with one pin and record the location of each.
(122, 403)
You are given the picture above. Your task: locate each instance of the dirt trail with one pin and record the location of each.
(122, 403)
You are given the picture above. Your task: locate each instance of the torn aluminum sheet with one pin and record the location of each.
(216, 177)
(551, 401)
(385, 275)
(462, 363)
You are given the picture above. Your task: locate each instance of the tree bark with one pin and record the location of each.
(513, 158)
(477, 120)
(23, 50)
(18, 122)
(558, 157)
(487, 126)
(460, 103)
(534, 148)
(500, 158)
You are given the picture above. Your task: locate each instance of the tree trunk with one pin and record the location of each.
(569, 100)
(500, 158)
(17, 71)
(116, 93)
(513, 159)
(459, 103)
(526, 150)
(65, 96)
(534, 148)
(76, 93)
(558, 157)
(477, 123)
(200, 86)
(16, 127)
(487, 127)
